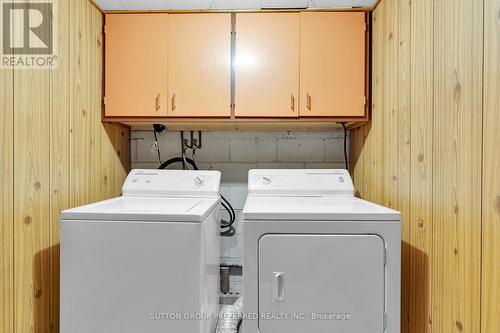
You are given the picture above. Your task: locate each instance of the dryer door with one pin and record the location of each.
(321, 283)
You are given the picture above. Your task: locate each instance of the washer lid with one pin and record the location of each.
(315, 208)
(145, 209)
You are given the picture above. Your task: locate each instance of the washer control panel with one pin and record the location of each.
(300, 182)
(172, 183)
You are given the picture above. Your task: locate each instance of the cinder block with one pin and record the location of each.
(334, 150)
(234, 153)
(280, 165)
(333, 165)
(253, 150)
(311, 135)
(233, 172)
(213, 150)
(300, 150)
(169, 146)
(141, 134)
(144, 165)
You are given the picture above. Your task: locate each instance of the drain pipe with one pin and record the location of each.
(230, 317)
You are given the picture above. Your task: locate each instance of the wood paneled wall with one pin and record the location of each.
(56, 154)
(490, 319)
(431, 151)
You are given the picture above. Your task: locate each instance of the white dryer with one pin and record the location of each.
(147, 261)
(317, 259)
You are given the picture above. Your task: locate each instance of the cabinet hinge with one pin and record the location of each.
(365, 100)
(104, 101)
(366, 27)
(104, 28)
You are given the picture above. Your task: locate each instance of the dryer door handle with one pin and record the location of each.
(279, 286)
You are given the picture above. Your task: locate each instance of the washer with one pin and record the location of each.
(147, 261)
(317, 259)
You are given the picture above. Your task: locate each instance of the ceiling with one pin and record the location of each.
(229, 4)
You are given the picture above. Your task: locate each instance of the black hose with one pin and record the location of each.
(178, 160)
(230, 210)
(345, 147)
(227, 206)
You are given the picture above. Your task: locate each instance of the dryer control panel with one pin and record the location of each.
(172, 183)
(302, 182)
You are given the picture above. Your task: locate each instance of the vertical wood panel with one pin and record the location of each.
(96, 99)
(372, 146)
(93, 97)
(420, 220)
(403, 181)
(59, 154)
(381, 150)
(115, 155)
(389, 107)
(106, 158)
(120, 157)
(6, 201)
(456, 262)
(80, 113)
(439, 153)
(357, 158)
(491, 165)
(52, 148)
(98, 152)
(31, 199)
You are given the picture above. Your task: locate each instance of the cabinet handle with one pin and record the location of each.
(173, 103)
(158, 105)
(292, 102)
(308, 102)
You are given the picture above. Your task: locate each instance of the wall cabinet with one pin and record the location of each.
(286, 65)
(332, 64)
(267, 65)
(199, 65)
(135, 65)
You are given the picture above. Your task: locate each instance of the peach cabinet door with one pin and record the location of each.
(332, 64)
(136, 65)
(267, 65)
(199, 65)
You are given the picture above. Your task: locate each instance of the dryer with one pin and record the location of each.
(316, 258)
(147, 261)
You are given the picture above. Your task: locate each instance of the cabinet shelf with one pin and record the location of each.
(212, 124)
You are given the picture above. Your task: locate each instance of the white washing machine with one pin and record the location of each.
(317, 259)
(147, 261)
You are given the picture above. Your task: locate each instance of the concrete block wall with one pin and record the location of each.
(234, 153)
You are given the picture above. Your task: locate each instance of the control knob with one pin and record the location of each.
(200, 180)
